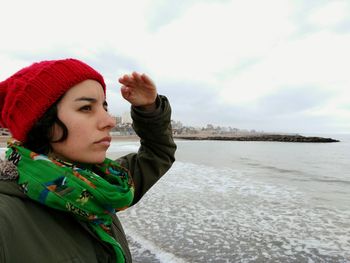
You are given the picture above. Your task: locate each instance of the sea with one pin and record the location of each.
(230, 201)
(227, 201)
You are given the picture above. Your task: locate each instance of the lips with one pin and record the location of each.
(104, 141)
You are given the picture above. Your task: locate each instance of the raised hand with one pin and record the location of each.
(139, 90)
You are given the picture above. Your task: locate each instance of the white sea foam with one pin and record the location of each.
(204, 214)
(144, 246)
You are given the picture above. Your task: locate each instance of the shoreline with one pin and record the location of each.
(205, 137)
(4, 139)
(125, 138)
(260, 137)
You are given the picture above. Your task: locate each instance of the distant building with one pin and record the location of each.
(115, 118)
(126, 117)
(176, 125)
(118, 119)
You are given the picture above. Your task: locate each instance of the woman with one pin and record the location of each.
(59, 194)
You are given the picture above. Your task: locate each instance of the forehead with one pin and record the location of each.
(87, 88)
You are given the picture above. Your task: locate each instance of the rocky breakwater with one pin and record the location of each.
(262, 137)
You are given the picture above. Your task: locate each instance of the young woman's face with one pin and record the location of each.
(83, 109)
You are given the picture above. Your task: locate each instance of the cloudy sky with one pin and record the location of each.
(272, 65)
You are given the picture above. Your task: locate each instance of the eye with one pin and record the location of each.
(85, 108)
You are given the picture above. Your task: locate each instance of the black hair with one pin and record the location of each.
(41, 135)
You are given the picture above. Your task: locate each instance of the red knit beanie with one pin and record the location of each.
(25, 96)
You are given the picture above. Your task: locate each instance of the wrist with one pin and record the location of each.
(148, 108)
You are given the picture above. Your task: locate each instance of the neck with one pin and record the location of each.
(63, 159)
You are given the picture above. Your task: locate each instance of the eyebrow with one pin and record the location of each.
(86, 99)
(93, 100)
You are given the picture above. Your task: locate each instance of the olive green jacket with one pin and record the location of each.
(31, 232)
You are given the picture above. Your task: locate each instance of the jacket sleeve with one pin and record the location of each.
(2, 244)
(157, 150)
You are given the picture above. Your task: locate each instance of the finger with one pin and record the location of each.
(147, 80)
(137, 77)
(125, 79)
(125, 91)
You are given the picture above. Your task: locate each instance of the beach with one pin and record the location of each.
(4, 139)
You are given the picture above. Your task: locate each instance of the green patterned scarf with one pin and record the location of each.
(90, 195)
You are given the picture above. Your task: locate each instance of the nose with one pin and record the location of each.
(106, 121)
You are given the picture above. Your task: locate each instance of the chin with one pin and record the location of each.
(99, 159)
(94, 159)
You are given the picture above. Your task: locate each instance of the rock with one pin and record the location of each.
(264, 137)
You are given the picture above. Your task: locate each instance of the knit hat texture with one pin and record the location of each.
(26, 95)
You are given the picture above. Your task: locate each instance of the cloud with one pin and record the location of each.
(319, 60)
(162, 13)
(290, 100)
(331, 14)
(248, 64)
(210, 37)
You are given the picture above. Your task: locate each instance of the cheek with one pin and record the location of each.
(73, 125)
(77, 138)
(73, 147)
(74, 132)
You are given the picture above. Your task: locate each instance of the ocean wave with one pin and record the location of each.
(276, 169)
(146, 251)
(331, 180)
(198, 213)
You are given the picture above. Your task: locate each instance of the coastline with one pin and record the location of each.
(260, 137)
(4, 139)
(240, 137)
(125, 138)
